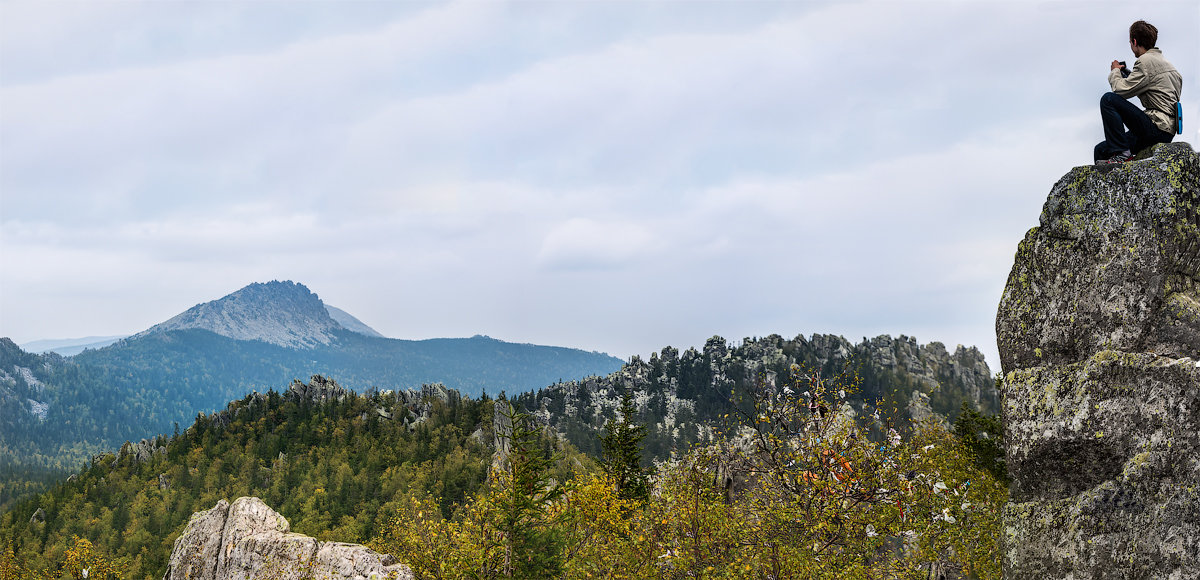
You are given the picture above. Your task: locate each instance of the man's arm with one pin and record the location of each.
(1129, 86)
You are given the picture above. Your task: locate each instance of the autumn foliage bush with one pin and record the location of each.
(798, 488)
(81, 560)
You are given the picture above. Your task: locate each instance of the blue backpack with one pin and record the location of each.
(1178, 118)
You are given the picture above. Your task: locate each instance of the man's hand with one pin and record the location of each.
(1115, 64)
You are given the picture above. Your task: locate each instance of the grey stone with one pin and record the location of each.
(920, 411)
(196, 550)
(436, 391)
(247, 539)
(1099, 336)
(1114, 265)
(318, 389)
(140, 452)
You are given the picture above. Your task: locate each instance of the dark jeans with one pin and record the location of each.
(1117, 114)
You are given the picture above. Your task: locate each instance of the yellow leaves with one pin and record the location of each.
(82, 556)
(421, 538)
(822, 501)
(11, 568)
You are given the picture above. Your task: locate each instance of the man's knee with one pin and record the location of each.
(1110, 98)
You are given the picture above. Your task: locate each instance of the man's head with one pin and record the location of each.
(1142, 35)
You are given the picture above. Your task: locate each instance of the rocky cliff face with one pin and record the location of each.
(24, 402)
(247, 539)
(681, 395)
(1099, 338)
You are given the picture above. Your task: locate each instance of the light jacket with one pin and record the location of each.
(1155, 83)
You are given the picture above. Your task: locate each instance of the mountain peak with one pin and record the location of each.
(285, 313)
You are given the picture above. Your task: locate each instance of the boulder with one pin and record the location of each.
(247, 539)
(1113, 265)
(1099, 337)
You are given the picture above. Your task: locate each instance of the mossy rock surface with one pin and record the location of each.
(1072, 427)
(1115, 531)
(1105, 460)
(1113, 265)
(1099, 338)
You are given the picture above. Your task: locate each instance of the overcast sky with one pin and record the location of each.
(612, 176)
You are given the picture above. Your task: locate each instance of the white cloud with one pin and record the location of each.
(212, 127)
(583, 243)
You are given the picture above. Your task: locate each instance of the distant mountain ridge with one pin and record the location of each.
(285, 314)
(56, 411)
(74, 346)
(69, 346)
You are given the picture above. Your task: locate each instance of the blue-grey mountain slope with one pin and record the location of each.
(291, 317)
(56, 411)
(69, 346)
(351, 323)
(281, 313)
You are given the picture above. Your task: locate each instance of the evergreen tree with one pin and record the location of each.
(622, 447)
(983, 435)
(532, 545)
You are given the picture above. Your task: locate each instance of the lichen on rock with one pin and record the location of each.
(1099, 337)
(1114, 265)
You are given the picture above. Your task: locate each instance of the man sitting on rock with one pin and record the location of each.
(1155, 83)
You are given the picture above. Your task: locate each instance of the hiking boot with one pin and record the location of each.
(1124, 157)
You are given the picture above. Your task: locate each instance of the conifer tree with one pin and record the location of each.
(532, 544)
(622, 447)
(983, 436)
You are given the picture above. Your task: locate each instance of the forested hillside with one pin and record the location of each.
(352, 467)
(682, 397)
(785, 490)
(333, 462)
(55, 412)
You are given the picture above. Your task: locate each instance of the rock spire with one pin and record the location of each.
(1099, 337)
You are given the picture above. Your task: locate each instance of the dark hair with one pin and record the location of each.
(1144, 33)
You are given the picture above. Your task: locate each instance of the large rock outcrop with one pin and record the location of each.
(247, 539)
(1099, 338)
